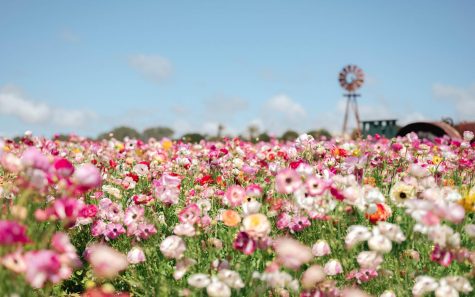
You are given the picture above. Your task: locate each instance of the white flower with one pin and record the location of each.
(356, 234)
(460, 283)
(231, 278)
(173, 247)
(369, 259)
(199, 280)
(388, 293)
(250, 207)
(446, 291)
(391, 231)
(470, 230)
(313, 275)
(380, 243)
(468, 135)
(424, 284)
(182, 266)
(218, 289)
(185, 229)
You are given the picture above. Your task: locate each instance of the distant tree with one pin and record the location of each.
(62, 137)
(220, 131)
(317, 134)
(289, 135)
(192, 137)
(263, 137)
(120, 133)
(157, 133)
(253, 130)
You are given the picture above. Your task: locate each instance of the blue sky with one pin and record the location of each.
(87, 66)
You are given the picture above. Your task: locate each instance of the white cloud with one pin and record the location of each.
(462, 99)
(285, 105)
(14, 103)
(152, 67)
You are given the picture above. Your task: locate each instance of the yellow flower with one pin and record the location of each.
(468, 202)
(356, 153)
(436, 160)
(167, 144)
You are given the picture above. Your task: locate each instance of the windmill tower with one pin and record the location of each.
(351, 78)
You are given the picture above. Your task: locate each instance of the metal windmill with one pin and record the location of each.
(351, 78)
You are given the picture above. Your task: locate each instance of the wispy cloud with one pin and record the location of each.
(14, 103)
(284, 104)
(463, 99)
(152, 67)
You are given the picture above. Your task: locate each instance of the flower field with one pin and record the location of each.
(323, 218)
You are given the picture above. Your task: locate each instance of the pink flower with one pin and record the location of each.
(105, 261)
(98, 228)
(287, 181)
(234, 196)
(291, 253)
(113, 230)
(87, 177)
(173, 247)
(321, 248)
(136, 255)
(67, 209)
(133, 214)
(299, 223)
(43, 266)
(12, 233)
(32, 157)
(145, 230)
(61, 244)
(283, 220)
(190, 214)
(362, 275)
(14, 261)
(315, 186)
(333, 267)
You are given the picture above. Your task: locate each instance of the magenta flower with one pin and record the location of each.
(244, 243)
(12, 233)
(441, 256)
(63, 168)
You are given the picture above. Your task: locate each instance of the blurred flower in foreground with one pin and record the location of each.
(105, 261)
